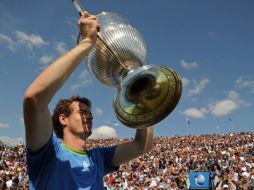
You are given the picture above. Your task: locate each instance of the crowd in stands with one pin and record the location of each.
(229, 159)
(13, 167)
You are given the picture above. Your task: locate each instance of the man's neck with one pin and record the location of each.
(75, 143)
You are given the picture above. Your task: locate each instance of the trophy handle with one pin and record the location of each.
(78, 7)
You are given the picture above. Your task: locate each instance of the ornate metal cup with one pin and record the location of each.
(145, 94)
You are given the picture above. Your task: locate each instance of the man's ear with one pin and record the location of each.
(62, 119)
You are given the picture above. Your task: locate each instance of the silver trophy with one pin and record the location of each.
(146, 94)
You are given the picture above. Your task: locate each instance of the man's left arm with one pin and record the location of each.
(141, 144)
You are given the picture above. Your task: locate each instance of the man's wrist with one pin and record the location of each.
(87, 42)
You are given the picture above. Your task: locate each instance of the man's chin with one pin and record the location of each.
(87, 131)
(88, 134)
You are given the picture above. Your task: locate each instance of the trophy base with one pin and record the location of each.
(147, 95)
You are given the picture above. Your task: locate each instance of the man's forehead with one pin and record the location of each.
(81, 106)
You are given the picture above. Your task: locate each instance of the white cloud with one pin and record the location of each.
(195, 113)
(188, 66)
(45, 60)
(245, 82)
(4, 125)
(99, 111)
(218, 108)
(185, 82)
(11, 141)
(223, 107)
(8, 42)
(103, 132)
(233, 95)
(30, 40)
(61, 47)
(85, 79)
(228, 105)
(198, 87)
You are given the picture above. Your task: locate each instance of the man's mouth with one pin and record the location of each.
(87, 129)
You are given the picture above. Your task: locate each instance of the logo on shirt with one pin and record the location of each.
(85, 165)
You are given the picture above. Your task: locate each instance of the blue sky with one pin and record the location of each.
(210, 44)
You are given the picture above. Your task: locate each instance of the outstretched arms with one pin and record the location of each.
(141, 144)
(38, 124)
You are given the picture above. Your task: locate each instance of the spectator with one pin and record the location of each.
(167, 165)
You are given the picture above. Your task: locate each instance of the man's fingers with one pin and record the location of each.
(88, 22)
(91, 17)
(88, 16)
(85, 14)
(98, 27)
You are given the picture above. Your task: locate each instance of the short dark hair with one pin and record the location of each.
(63, 107)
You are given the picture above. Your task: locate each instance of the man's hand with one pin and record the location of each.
(89, 26)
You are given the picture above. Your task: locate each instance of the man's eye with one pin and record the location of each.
(84, 112)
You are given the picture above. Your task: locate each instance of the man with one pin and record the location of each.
(68, 165)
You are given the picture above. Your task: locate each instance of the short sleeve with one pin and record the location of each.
(104, 157)
(108, 154)
(36, 162)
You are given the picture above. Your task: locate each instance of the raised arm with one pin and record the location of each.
(38, 124)
(141, 144)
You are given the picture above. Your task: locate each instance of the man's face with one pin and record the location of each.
(80, 119)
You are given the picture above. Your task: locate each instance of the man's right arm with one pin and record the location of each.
(37, 118)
